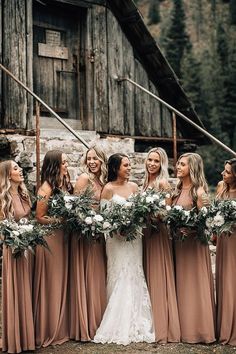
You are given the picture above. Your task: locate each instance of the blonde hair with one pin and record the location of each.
(6, 204)
(102, 158)
(197, 176)
(163, 173)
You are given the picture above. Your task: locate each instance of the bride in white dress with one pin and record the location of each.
(128, 316)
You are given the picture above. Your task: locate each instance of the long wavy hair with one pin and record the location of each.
(197, 176)
(114, 163)
(50, 172)
(6, 204)
(102, 158)
(226, 187)
(163, 173)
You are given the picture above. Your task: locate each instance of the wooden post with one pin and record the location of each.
(174, 139)
(37, 145)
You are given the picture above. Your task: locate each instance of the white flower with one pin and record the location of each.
(144, 194)
(209, 222)
(54, 203)
(156, 197)
(69, 198)
(218, 219)
(186, 212)
(233, 203)
(162, 202)
(204, 210)
(149, 200)
(168, 207)
(16, 233)
(23, 221)
(106, 225)
(88, 220)
(98, 217)
(27, 227)
(178, 207)
(168, 195)
(128, 204)
(68, 205)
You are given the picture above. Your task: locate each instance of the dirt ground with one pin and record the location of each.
(140, 348)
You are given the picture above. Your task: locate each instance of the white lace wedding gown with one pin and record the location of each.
(128, 316)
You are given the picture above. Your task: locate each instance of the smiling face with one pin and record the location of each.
(16, 175)
(153, 163)
(64, 166)
(125, 168)
(182, 167)
(93, 162)
(228, 175)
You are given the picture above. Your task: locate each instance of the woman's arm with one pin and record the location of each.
(44, 193)
(81, 183)
(202, 198)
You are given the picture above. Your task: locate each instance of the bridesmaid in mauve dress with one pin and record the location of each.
(226, 265)
(88, 259)
(194, 280)
(17, 314)
(50, 297)
(158, 257)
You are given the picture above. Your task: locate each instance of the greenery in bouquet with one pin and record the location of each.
(23, 235)
(72, 209)
(178, 218)
(123, 219)
(220, 217)
(94, 225)
(150, 206)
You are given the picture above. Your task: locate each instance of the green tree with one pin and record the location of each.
(232, 10)
(154, 12)
(176, 37)
(191, 80)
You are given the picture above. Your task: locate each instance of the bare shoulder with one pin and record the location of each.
(219, 187)
(201, 192)
(107, 191)
(83, 178)
(45, 190)
(133, 186)
(164, 184)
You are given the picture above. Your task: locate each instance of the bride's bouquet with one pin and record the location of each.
(23, 236)
(129, 218)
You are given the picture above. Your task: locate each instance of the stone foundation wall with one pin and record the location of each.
(23, 150)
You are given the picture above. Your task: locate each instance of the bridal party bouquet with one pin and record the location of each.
(71, 209)
(179, 219)
(218, 218)
(150, 206)
(22, 236)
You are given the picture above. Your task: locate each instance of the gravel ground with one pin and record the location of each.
(140, 348)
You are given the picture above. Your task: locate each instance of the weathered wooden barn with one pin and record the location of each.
(71, 52)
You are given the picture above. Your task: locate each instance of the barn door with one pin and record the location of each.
(57, 41)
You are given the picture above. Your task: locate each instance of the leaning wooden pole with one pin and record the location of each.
(37, 145)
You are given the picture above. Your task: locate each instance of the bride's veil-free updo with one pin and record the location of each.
(114, 163)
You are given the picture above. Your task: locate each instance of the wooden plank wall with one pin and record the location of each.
(120, 108)
(14, 38)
